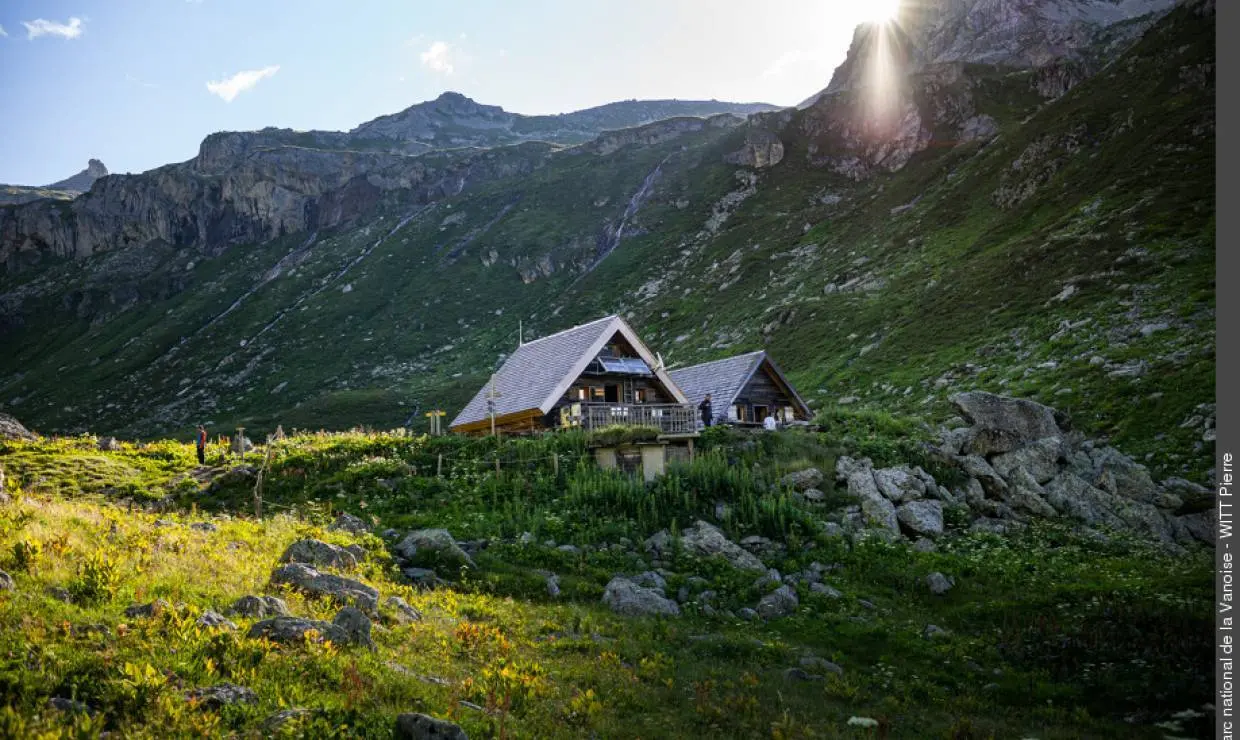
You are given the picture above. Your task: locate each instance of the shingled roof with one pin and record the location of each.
(724, 379)
(539, 372)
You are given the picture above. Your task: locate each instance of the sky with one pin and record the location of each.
(139, 83)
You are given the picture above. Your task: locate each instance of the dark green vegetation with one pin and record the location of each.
(1049, 635)
(1069, 260)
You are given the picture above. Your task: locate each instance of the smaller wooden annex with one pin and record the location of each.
(744, 390)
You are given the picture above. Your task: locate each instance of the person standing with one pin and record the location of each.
(705, 408)
(770, 423)
(202, 445)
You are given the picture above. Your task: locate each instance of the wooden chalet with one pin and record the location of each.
(744, 390)
(591, 376)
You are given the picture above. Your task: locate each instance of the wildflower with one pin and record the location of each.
(862, 722)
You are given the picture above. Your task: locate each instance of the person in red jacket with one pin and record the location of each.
(202, 445)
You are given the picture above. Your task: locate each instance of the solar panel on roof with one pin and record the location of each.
(627, 365)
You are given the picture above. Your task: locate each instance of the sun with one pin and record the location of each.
(882, 11)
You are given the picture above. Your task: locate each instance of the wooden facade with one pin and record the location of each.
(764, 395)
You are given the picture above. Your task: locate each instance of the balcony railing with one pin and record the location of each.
(669, 418)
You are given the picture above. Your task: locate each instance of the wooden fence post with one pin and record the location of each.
(439, 467)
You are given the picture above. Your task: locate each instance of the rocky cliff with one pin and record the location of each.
(82, 181)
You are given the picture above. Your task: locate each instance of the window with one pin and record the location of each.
(741, 412)
(611, 393)
(597, 393)
(641, 395)
(580, 394)
(760, 413)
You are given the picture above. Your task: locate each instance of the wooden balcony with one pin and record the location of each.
(668, 418)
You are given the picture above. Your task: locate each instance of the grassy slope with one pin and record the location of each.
(1124, 213)
(1036, 649)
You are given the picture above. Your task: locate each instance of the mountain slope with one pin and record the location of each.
(992, 235)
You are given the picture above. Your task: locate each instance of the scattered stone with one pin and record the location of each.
(6, 582)
(814, 496)
(781, 602)
(60, 594)
(825, 590)
(629, 599)
(108, 444)
(349, 523)
(258, 607)
(356, 625)
(220, 695)
(706, 540)
(899, 484)
(204, 527)
(296, 629)
(747, 614)
(923, 517)
(876, 509)
(413, 726)
(813, 662)
(799, 674)
(423, 577)
(938, 583)
(319, 554)
(933, 631)
(343, 590)
(144, 611)
(278, 722)
(211, 618)
(924, 544)
(68, 706)
(867, 604)
(431, 547)
(405, 614)
(803, 479)
(569, 549)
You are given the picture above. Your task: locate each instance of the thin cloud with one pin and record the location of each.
(438, 58)
(3, 32)
(240, 82)
(42, 27)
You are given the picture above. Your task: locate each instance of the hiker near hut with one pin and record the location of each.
(202, 445)
(705, 408)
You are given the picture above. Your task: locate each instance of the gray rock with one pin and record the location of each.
(815, 663)
(958, 441)
(1004, 424)
(145, 611)
(706, 540)
(1120, 475)
(924, 544)
(341, 589)
(349, 523)
(747, 614)
(69, 706)
(215, 619)
(413, 726)
(220, 695)
(814, 496)
(319, 554)
(938, 583)
(404, 613)
(290, 630)
(629, 599)
(899, 484)
(651, 580)
(108, 444)
(800, 674)
(990, 525)
(423, 577)
(1024, 494)
(355, 624)
(204, 527)
(1195, 496)
(431, 547)
(259, 607)
(934, 632)
(924, 518)
(569, 549)
(6, 582)
(1200, 526)
(286, 719)
(781, 602)
(876, 509)
(659, 544)
(845, 466)
(975, 466)
(803, 479)
(1040, 458)
(825, 590)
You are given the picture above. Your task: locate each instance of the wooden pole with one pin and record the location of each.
(439, 467)
(555, 463)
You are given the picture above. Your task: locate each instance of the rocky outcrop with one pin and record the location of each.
(762, 148)
(627, 598)
(414, 726)
(338, 588)
(259, 607)
(11, 428)
(432, 547)
(707, 541)
(82, 181)
(319, 554)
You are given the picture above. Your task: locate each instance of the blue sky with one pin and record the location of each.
(126, 81)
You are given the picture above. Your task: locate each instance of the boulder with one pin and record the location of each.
(938, 583)
(285, 720)
(11, 428)
(1040, 458)
(341, 589)
(432, 547)
(108, 444)
(631, 600)
(413, 726)
(214, 619)
(349, 523)
(355, 625)
(846, 466)
(975, 466)
(803, 479)
(899, 484)
(781, 602)
(923, 518)
(1003, 424)
(296, 630)
(259, 607)
(651, 580)
(822, 665)
(1024, 494)
(825, 590)
(207, 527)
(876, 509)
(1120, 475)
(404, 613)
(1201, 525)
(706, 540)
(6, 582)
(319, 554)
(214, 697)
(659, 544)
(144, 611)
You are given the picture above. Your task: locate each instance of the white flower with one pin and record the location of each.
(862, 722)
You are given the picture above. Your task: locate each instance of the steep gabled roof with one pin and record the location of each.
(540, 372)
(724, 379)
